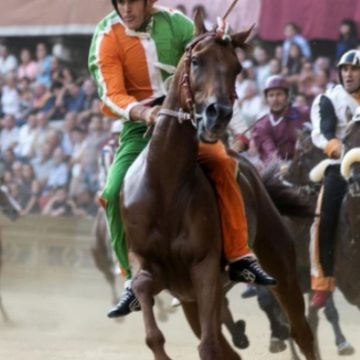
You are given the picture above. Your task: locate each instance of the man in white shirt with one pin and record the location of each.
(9, 135)
(8, 62)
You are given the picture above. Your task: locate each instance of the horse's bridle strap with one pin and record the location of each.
(180, 115)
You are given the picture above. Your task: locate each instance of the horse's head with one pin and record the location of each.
(207, 76)
(350, 167)
(306, 156)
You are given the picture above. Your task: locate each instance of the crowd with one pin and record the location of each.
(52, 129)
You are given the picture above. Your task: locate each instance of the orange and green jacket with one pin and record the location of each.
(131, 66)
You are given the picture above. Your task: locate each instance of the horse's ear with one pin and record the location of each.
(199, 23)
(239, 39)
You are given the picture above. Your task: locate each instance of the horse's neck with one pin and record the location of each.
(173, 147)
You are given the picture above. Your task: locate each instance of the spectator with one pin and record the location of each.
(26, 138)
(30, 190)
(59, 174)
(8, 62)
(69, 125)
(43, 163)
(295, 60)
(275, 66)
(74, 99)
(28, 67)
(10, 100)
(274, 134)
(263, 68)
(58, 204)
(42, 128)
(42, 97)
(181, 8)
(347, 39)
(26, 101)
(9, 136)
(201, 9)
(55, 107)
(8, 158)
(84, 204)
(44, 65)
(292, 34)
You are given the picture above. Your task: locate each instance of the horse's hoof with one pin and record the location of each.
(345, 349)
(239, 338)
(276, 345)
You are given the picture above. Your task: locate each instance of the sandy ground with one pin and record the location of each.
(62, 317)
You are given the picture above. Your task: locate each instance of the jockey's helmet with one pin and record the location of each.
(276, 82)
(351, 57)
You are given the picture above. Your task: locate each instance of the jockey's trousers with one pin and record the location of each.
(221, 170)
(323, 230)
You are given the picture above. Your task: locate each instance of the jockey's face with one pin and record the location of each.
(135, 12)
(350, 75)
(277, 100)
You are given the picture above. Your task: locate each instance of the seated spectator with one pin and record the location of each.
(43, 65)
(10, 97)
(89, 89)
(295, 60)
(28, 67)
(41, 99)
(59, 173)
(26, 139)
(8, 62)
(274, 134)
(84, 204)
(55, 107)
(30, 190)
(9, 136)
(348, 38)
(74, 98)
(43, 163)
(275, 66)
(68, 126)
(8, 158)
(26, 103)
(42, 128)
(58, 204)
(293, 35)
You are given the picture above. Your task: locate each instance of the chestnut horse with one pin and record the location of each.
(170, 209)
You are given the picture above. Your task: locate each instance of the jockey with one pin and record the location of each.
(134, 50)
(330, 114)
(275, 133)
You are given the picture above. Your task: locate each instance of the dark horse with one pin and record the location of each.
(11, 209)
(170, 209)
(306, 157)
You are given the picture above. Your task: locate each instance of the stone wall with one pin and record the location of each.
(40, 243)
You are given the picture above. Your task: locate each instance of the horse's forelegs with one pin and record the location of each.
(192, 316)
(143, 286)
(332, 315)
(208, 292)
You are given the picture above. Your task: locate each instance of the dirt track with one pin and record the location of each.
(62, 317)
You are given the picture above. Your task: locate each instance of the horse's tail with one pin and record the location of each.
(287, 199)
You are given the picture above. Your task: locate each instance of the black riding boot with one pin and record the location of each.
(127, 304)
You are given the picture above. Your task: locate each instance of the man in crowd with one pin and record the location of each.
(134, 50)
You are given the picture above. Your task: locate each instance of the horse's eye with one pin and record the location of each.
(195, 62)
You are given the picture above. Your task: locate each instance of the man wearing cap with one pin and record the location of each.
(330, 114)
(134, 50)
(275, 133)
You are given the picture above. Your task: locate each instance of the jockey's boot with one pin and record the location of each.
(248, 270)
(319, 298)
(127, 304)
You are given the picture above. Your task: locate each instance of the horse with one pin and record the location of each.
(305, 158)
(170, 210)
(11, 209)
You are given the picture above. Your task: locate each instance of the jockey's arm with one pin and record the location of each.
(328, 125)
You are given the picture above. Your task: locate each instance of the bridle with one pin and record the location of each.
(184, 83)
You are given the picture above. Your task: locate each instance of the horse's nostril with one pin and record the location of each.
(211, 111)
